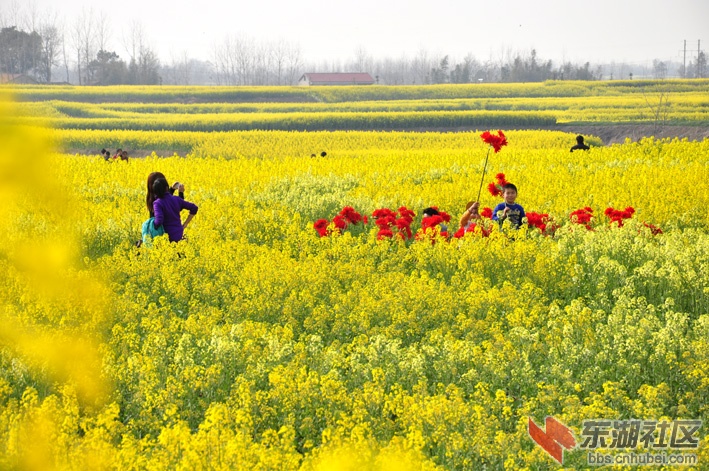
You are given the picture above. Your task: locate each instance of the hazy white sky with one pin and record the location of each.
(579, 31)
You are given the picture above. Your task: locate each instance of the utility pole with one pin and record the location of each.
(684, 61)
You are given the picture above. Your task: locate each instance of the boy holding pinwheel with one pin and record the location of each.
(509, 209)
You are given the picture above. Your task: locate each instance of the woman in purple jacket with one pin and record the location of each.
(150, 198)
(167, 207)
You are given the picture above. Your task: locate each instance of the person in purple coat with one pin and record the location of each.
(167, 207)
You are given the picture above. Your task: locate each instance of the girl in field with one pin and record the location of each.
(167, 208)
(150, 198)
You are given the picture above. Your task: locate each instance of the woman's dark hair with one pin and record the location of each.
(150, 198)
(430, 212)
(160, 187)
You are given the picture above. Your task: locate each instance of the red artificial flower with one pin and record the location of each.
(339, 222)
(628, 212)
(536, 219)
(403, 224)
(383, 212)
(384, 233)
(321, 227)
(445, 216)
(350, 215)
(617, 216)
(496, 141)
(486, 213)
(654, 230)
(385, 221)
(494, 189)
(543, 222)
(405, 212)
(431, 221)
(582, 216)
(471, 228)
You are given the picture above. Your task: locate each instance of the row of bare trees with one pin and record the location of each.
(82, 51)
(239, 60)
(42, 45)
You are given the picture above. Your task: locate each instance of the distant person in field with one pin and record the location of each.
(167, 208)
(430, 212)
(150, 198)
(117, 155)
(106, 155)
(509, 209)
(124, 155)
(579, 144)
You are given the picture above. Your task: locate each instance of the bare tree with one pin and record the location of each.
(660, 109)
(362, 61)
(294, 64)
(133, 39)
(52, 39)
(421, 67)
(279, 56)
(84, 43)
(181, 70)
(12, 15)
(103, 32)
(659, 69)
(144, 63)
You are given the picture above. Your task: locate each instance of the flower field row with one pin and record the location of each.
(258, 344)
(307, 121)
(618, 108)
(689, 108)
(182, 94)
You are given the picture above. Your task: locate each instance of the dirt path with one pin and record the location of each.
(617, 134)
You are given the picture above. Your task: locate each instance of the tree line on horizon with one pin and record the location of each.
(81, 53)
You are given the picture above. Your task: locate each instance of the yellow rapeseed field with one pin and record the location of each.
(257, 344)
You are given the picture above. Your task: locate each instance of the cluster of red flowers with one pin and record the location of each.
(348, 216)
(471, 228)
(582, 216)
(495, 188)
(391, 223)
(486, 213)
(654, 230)
(388, 222)
(543, 222)
(617, 216)
(428, 223)
(495, 140)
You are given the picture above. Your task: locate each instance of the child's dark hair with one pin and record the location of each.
(509, 186)
(160, 187)
(430, 212)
